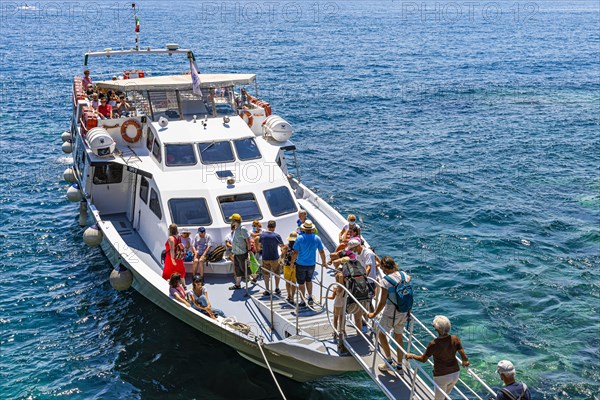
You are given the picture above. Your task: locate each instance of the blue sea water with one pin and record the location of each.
(465, 136)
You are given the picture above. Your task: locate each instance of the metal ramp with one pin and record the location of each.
(312, 323)
(394, 384)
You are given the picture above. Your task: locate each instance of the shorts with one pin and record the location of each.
(394, 319)
(239, 264)
(304, 273)
(289, 273)
(272, 265)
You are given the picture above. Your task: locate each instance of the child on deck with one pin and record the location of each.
(198, 297)
(339, 296)
(289, 272)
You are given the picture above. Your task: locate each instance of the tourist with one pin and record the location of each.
(104, 109)
(89, 91)
(339, 303)
(304, 257)
(94, 101)
(345, 234)
(302, 216)
(186, 241)
(199, 299)
(446, 370)
(202, 245)
(86, 81)
(391, 318)
(254, 235)
(269, 242)
(240, 247)
(229, 244)
(289, 271)
(176, 290)
(123, 107)
(174, 255)
(512, 390)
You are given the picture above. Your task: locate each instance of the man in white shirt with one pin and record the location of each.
(201, 246)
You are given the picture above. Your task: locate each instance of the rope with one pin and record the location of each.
(259, 341)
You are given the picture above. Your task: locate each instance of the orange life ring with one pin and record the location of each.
(249, 120)
(138, 133)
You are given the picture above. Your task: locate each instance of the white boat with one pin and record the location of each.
(193, 160)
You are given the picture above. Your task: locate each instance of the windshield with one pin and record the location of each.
(179, 154)
(243, 204)
(216, 152)
(246, 149)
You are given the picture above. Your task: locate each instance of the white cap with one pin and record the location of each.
(352, 244)
(505, 367)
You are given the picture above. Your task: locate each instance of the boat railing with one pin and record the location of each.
(374, 347)
(271, 278)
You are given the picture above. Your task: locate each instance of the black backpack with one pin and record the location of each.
(217, 254)
(356, 282)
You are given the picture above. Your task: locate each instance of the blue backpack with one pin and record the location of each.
(401, 295)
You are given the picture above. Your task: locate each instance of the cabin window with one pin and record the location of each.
(185, 212)
(179, 154)
(156, 150)
(243, 204)
(149, 140)
(144, 187)
(108, 174)
(155, 204)
(280, 201)
(216, 152)
(246, 149)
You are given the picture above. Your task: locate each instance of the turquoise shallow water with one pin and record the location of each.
(464, 136)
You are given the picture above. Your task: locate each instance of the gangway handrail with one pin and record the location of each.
(469, 370)
(373, 346)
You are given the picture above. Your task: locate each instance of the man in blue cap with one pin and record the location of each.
(201, 246)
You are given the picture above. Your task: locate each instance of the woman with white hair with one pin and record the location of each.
(446, 370)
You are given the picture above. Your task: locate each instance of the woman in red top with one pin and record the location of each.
(174, 259)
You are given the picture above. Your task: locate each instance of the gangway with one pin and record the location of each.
(409, 383)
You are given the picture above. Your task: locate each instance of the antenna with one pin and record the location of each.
(137, 28)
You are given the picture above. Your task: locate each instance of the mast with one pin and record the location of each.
(137, 27)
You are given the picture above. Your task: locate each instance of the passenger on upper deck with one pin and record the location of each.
(89, 91)
(86, 81)
(94, 101)
(104, 109)
(123, 107)
(344, 234)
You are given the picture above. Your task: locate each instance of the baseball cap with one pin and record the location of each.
(235, 217)
(505, 367)
(201, 229)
